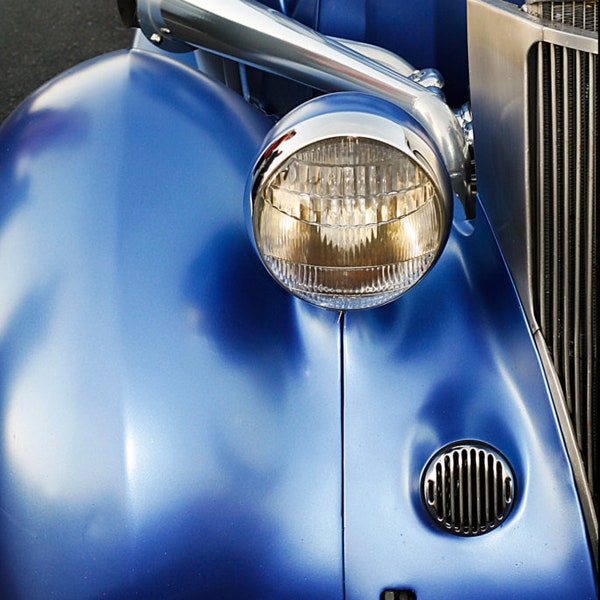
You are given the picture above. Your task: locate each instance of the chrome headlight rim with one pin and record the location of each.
(350, 115)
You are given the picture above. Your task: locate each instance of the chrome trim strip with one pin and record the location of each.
(570, 440)
(570, 37)
(253, 34)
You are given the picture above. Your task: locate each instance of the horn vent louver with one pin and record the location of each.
(468, 488)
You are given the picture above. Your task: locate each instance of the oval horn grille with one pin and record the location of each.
(468, 488)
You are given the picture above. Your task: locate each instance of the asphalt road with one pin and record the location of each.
(42, 38)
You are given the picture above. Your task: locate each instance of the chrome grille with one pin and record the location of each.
(563, 106)
(582, 14)
(468, 489)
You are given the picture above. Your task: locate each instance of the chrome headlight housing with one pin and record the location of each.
(350, 203)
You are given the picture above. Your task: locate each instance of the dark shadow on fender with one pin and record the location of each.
(236, 304)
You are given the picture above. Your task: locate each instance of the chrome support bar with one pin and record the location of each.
(255, 35)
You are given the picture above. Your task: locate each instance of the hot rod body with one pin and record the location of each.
(178, 424)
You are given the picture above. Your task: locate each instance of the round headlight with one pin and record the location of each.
(350, 203)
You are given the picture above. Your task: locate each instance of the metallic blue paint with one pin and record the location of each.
(453, 360)
(170, 418)
(173, 423)
(430, 33)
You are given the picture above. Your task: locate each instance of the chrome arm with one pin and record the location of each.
(255, 35)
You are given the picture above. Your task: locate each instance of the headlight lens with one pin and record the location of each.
(348, 221)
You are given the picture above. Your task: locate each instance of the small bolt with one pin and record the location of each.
(165, 31)
(155, 38)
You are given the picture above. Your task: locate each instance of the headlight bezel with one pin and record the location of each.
(354, 116)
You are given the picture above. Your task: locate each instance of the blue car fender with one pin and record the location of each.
(453, 363)
(176, 425)
(170, 417)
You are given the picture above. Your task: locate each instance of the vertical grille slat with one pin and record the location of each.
(555, 190)
(562, 136)
(483, 513)
(579, 243)
(591, 313)
(541, 243)
(567, 242)
(470, 521)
